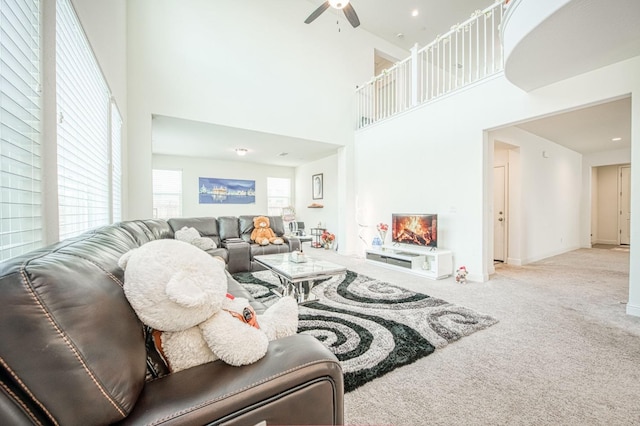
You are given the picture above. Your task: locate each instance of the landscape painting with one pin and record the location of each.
(226, 191)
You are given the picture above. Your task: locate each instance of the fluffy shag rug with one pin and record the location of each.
(372, 327)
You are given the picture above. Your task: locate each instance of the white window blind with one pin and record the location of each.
(20, 116)
(116, 164)
(83, 129)
(167, 193)
(278, 195)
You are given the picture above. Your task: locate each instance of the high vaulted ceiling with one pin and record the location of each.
(587, 130)
(393, 21)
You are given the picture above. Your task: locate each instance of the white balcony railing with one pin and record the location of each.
(467, 53)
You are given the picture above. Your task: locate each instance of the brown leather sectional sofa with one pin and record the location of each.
(72, 350)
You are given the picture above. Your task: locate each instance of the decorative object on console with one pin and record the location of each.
(415, 229)
(352, 311)
(181, 291)
(327, 239)
(262, 233)
(382, 230)
(461, 275)
(226, 191)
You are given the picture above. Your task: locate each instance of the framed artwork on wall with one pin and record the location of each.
(226, 191)
(317, 186)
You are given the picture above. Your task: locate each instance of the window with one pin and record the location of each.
(167, 194)
(20, 116)
(84, 137)
(278, 195)
(116, 164)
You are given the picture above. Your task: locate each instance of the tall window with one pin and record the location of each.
(278, 195)
(116, 164)
(84, 137)
(20, 116)
(167, 194)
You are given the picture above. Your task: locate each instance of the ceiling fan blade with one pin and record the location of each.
(324, 6)
(351, 15)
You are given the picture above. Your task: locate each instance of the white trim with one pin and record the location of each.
(633, 310)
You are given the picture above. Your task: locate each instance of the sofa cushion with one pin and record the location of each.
(228, 226)
(258, 250)
(246, 227)
(277, 224)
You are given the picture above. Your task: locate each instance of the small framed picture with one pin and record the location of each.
(317, 186)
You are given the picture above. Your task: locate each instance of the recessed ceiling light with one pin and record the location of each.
(241, 151)
(414, 12)
(616, 139)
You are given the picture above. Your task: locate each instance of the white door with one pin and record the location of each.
(625, 205)
(499, 214)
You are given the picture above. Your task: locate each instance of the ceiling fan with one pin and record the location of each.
(346, 7)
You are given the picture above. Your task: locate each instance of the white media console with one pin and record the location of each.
(423, 261)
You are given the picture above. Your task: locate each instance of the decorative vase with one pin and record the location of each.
(327, 245)
(383, 235)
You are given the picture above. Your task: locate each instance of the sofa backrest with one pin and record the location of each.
(246, 226)
(72, 349)
(228, 226)
(206, 226)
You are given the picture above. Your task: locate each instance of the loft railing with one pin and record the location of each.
(467, 53)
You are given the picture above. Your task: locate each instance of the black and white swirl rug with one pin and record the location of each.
(373, 327)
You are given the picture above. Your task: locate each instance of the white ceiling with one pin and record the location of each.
(585, 130)
(175, 136)
(389, 18)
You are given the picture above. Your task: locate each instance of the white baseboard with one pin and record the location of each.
(608, 242)
(633, 310)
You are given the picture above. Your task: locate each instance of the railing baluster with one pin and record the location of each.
(436, 69)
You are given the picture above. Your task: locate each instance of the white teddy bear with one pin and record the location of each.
(192, 236)
(181, 290)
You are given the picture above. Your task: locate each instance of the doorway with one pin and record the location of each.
(499, 213)
(624, 222)
(611, 205)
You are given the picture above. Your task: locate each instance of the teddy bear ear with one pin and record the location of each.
(124, 259)
(183, 288)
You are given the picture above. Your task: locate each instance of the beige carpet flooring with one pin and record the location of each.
(563, 353)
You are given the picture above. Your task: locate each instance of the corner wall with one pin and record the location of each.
(327, 216)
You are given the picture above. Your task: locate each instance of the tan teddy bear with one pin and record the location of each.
(262, 233)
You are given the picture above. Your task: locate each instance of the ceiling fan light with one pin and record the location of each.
(338, 4)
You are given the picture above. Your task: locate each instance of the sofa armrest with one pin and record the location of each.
(239, 253)
(292, 242)
(298, 381)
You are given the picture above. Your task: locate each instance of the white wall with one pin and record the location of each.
(194, 168)
(550, 191)
(327, 216)
(250, 64)
(434, 159)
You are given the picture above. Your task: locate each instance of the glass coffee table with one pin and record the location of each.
(297, 278)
